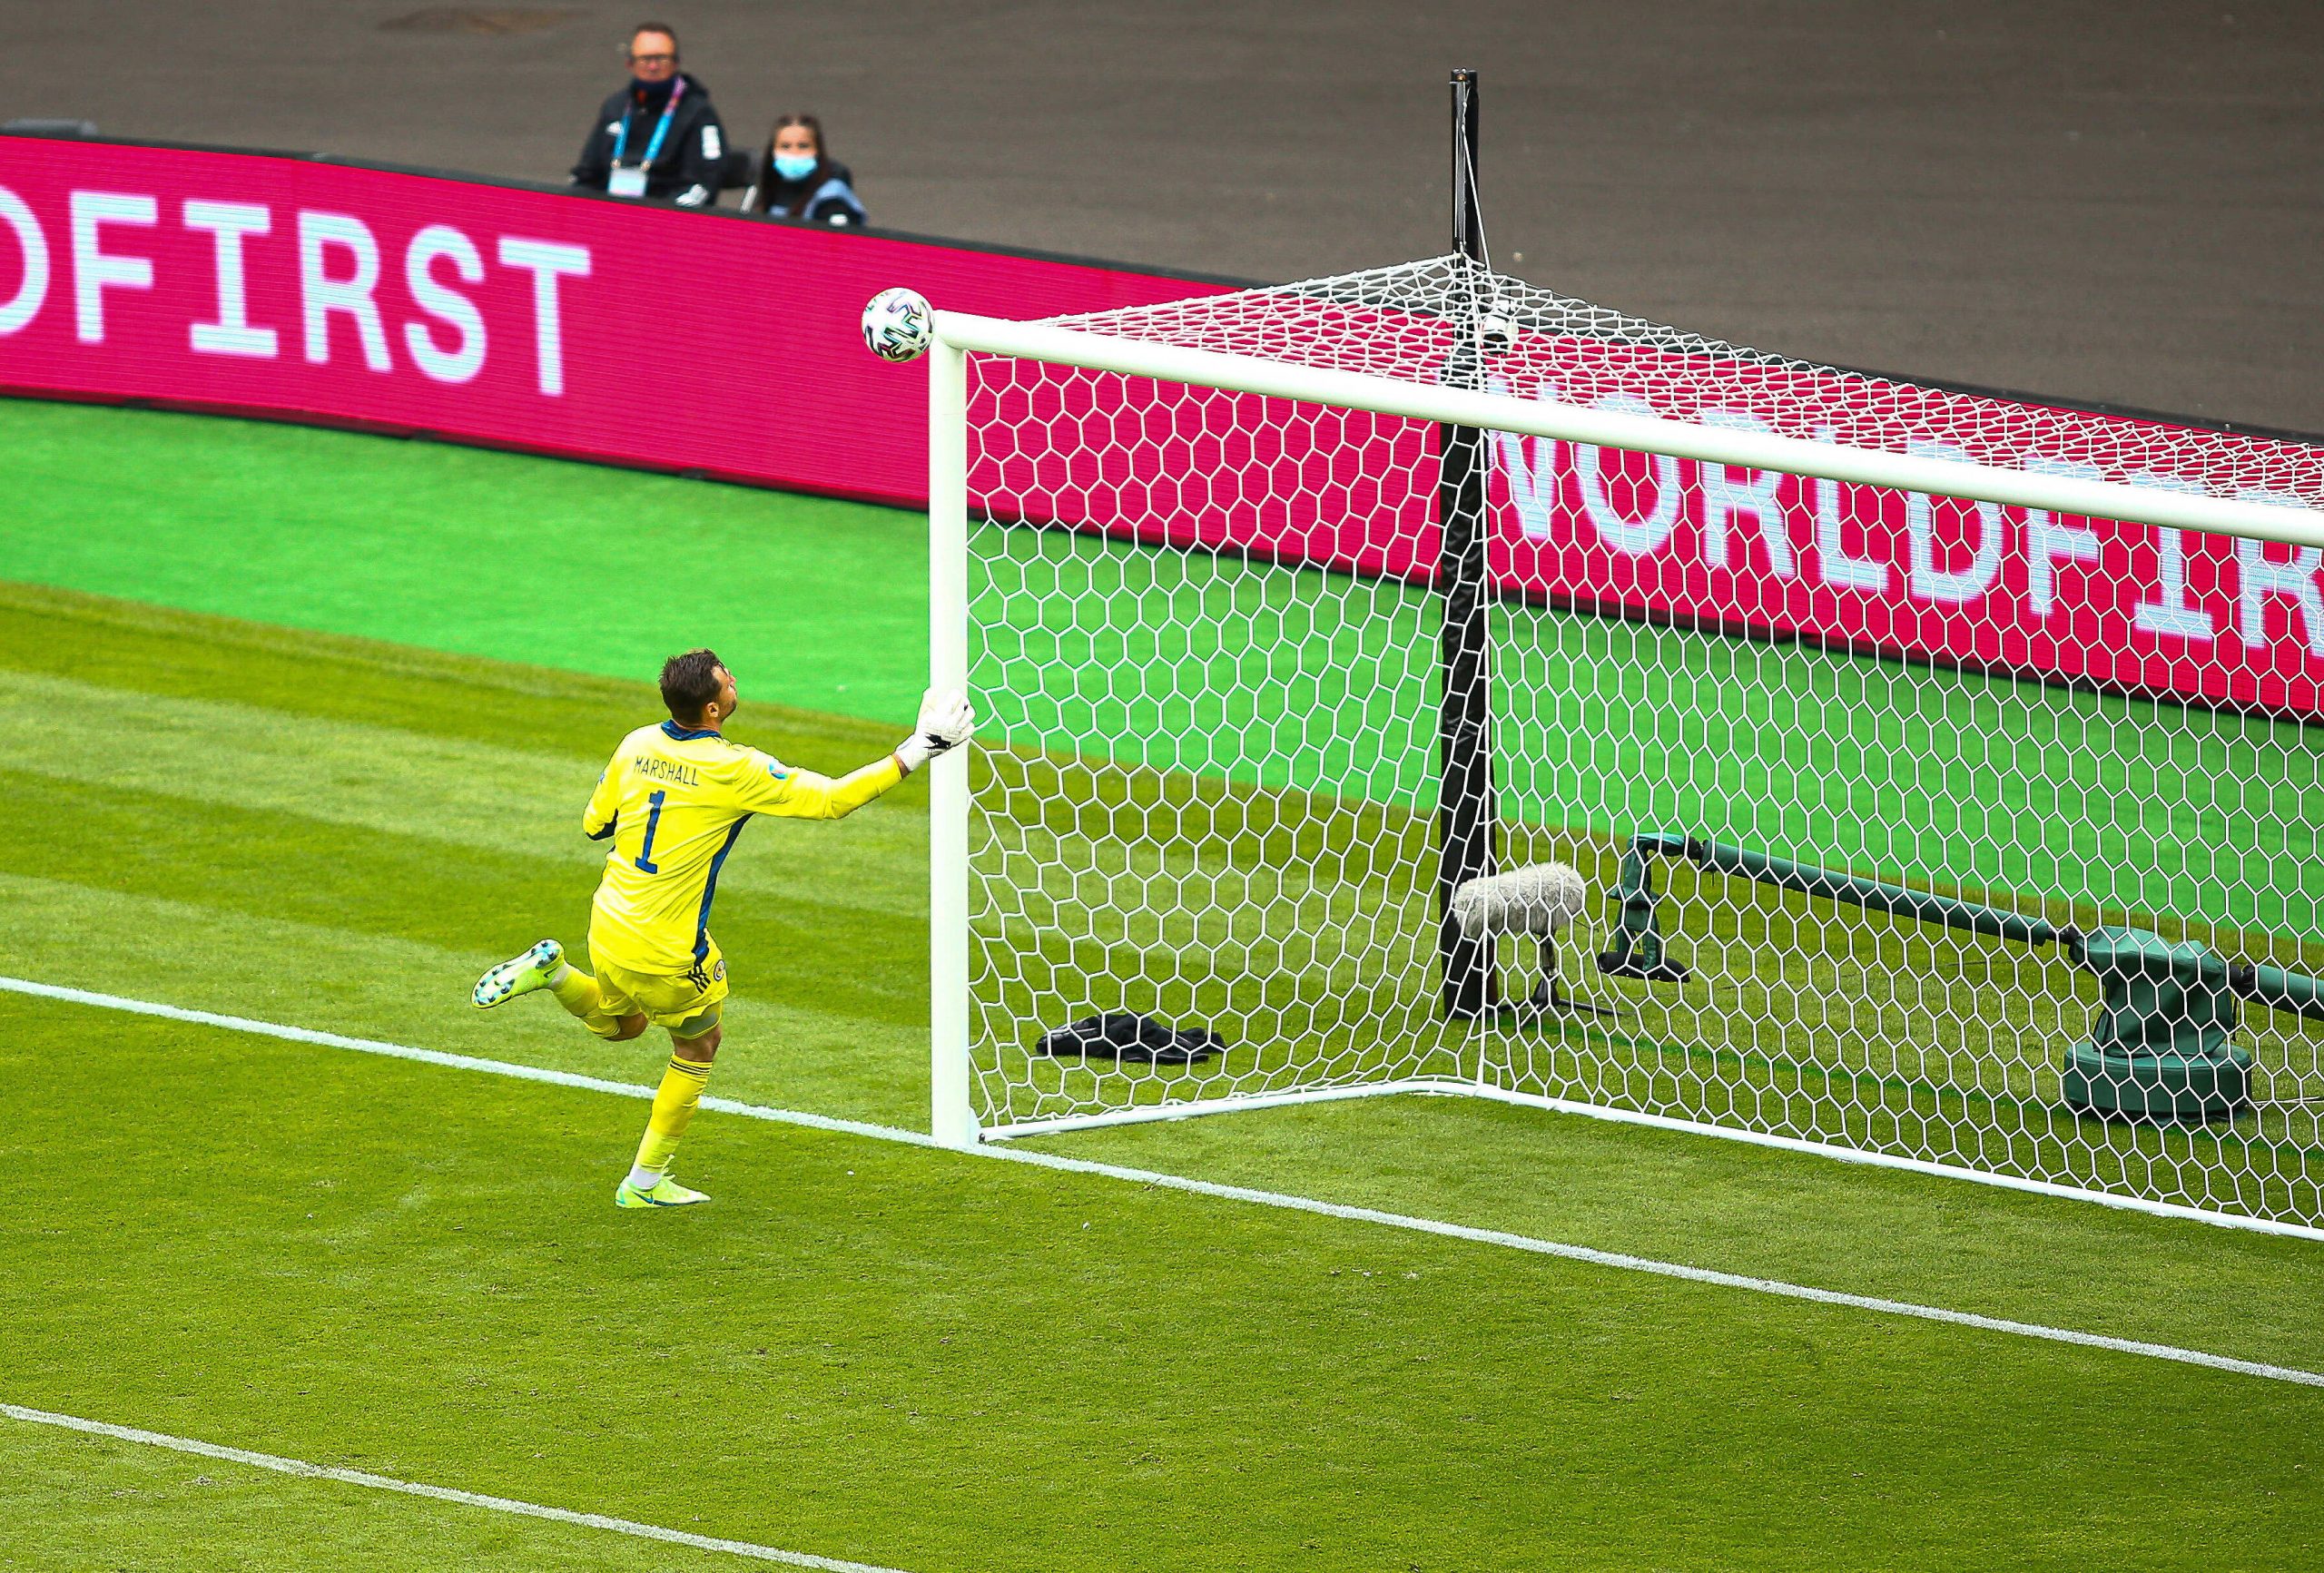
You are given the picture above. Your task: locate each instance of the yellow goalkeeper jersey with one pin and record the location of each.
(673, 800)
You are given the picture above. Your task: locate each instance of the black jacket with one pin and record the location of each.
(692, 159)
(827, 196)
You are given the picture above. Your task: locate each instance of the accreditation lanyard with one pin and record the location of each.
(660, 129)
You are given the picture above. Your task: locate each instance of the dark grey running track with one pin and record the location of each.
(2106, 201)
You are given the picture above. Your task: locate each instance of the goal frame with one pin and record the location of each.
(953, 1120)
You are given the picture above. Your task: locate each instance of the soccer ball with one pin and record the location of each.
(898, 325)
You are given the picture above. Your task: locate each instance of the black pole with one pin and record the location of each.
(1467, 814)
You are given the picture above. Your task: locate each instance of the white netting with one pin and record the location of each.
(1401, 322)
(1206, 627)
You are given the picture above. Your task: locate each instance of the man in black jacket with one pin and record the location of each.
(659, 136)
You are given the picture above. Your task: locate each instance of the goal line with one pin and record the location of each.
(1216, 1190)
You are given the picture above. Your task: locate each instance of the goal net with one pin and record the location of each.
(1939, 769)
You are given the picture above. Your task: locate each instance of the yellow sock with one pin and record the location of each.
(574, 989)
(673, 1106)
(578, 993)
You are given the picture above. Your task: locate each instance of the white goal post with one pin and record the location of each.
(1176, 557)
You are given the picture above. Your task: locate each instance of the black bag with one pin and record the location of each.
(1126, 1036)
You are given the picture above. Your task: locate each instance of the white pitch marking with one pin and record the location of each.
(1526, 1243)
(438, 1493)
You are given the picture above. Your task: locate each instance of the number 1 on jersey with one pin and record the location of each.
(653, 819)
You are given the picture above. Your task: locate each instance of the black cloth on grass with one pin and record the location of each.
(1124, 1034)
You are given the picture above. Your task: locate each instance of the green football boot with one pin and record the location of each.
(522, 975)
(667, 1192)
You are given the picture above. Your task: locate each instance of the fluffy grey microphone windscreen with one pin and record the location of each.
(1538, 899)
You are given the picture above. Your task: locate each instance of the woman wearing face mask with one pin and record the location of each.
(797, 179)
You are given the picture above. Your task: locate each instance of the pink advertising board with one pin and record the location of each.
(552, 322)
(566, 324)
(2125, 607)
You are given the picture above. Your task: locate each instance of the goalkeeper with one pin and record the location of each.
(672, 802)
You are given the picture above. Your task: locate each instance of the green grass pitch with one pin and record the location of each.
(862, 1349)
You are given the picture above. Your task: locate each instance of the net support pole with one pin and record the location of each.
(1467, 814)
(952, 1120)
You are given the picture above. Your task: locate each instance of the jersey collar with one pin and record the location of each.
(676, 733)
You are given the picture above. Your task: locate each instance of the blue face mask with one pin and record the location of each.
(795, 166)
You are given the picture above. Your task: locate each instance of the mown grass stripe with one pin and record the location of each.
(438, 1493)
(1583, 1253)
(506, 800)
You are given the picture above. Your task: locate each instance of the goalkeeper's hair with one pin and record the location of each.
(689, 682)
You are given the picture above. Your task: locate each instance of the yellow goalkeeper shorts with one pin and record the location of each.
(687, 1003)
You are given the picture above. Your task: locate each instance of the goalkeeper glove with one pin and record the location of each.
(945, 724)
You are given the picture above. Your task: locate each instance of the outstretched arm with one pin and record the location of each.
(944, 724)
(818, 797)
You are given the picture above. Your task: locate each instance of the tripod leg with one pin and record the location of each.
(1548, 996)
